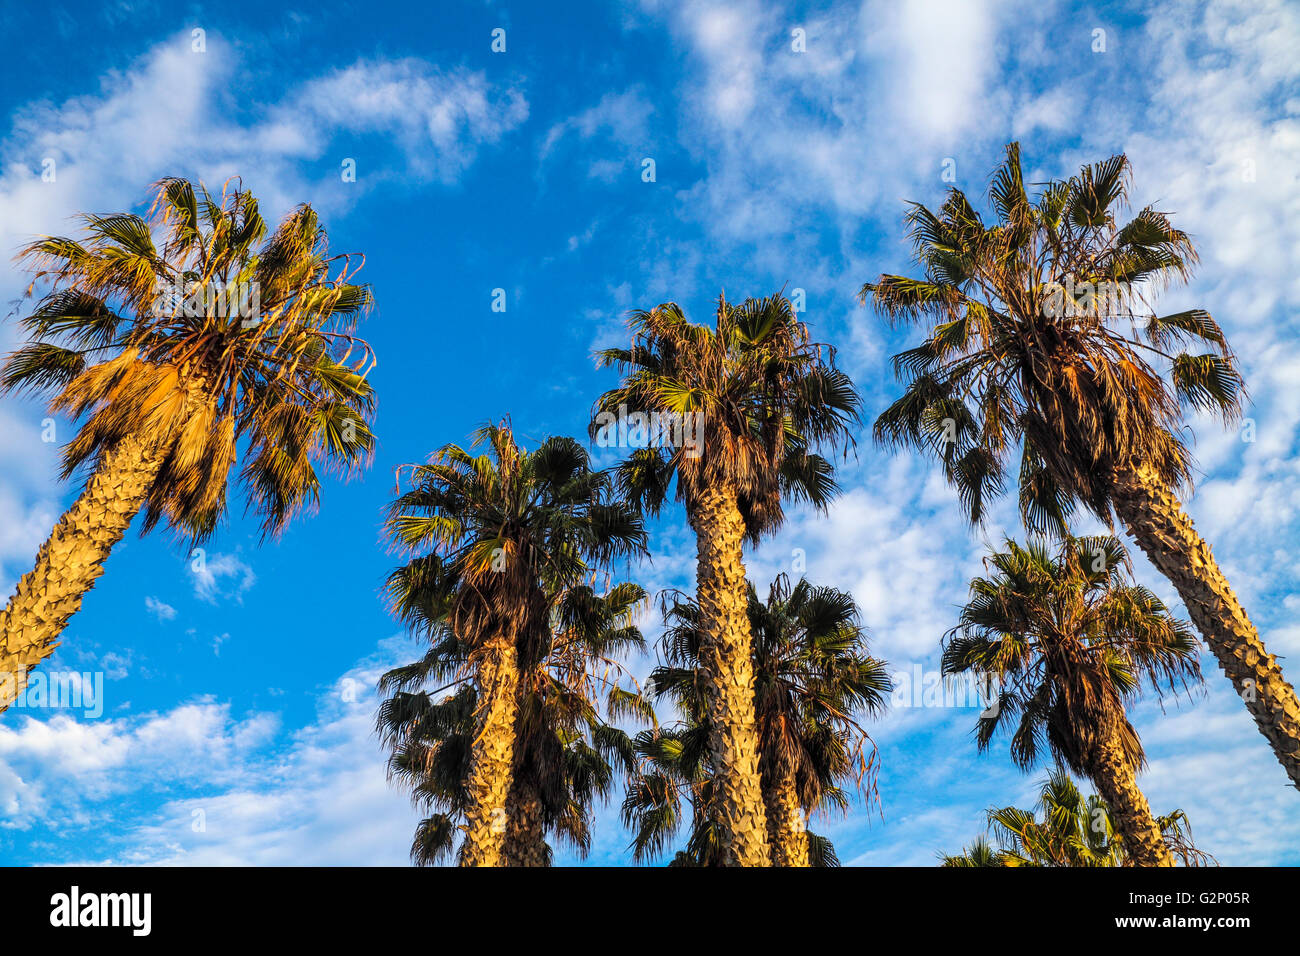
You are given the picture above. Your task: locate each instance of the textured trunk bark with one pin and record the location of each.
(525, 831)
(728, 675)
(1157, 521)
(786, 834)
(491, 766)
(71, 559)
(1116, 782)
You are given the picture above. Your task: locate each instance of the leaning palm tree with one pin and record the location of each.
(1070, 641)
(566, 755)
(1041, 335)
(175, 340)
(813, 682)
(1074, 831)
(507, 533)
(738, 413)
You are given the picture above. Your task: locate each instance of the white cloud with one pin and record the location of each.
(116, 666)
(941, 56)
(159, 609)
(244, 792)
(209, 571)
(439, 118)
(612, 135)
(50, 768)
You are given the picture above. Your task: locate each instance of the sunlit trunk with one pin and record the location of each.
(71, 559)
(525, 833)
(728, 676)
(492, 759)
(1113, 775)
(1165, 533)
(786, 834)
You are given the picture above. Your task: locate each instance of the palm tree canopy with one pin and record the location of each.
(1070, 640)
(566, 751)
(672, 785)
(1040, 333)
(1073, 831)
(508, 531)
(112, 347)
(813, 682)
(766, 398)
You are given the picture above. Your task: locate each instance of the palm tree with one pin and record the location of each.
(1040, 334)
(1074, 831)
(812, 680)
(755, 399)
(1070, 641)
(673, 784)
(508, 531)
(566, 755)
(175, 339)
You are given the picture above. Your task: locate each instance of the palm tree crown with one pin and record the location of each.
(504, 531)
(1070, 641)
(766, 397)
(1040, 335)
(1074, 831)
(112, 346)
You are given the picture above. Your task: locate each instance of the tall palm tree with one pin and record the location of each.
(507, 532)
(566, 754)
(1041, 335)
(175, 339)
(813, 681)
(1070, 640)
(761, 400)
(1074, 831)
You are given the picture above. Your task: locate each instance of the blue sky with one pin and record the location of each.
(238, 706)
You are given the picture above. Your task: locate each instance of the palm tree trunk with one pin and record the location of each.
(71, 559)
(491, 768)
(1162, 529)
(728, 674)
(525, 836)
(1113, 775)
(786, 833)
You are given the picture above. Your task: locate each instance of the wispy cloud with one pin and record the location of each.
(159, 609)
(612, 136)
(239, 792)
(211, 572)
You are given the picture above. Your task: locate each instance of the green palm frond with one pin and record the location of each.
(766, 398)
(1023, 344)
(1068, 641)
(130, 331)
(1067, 829)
